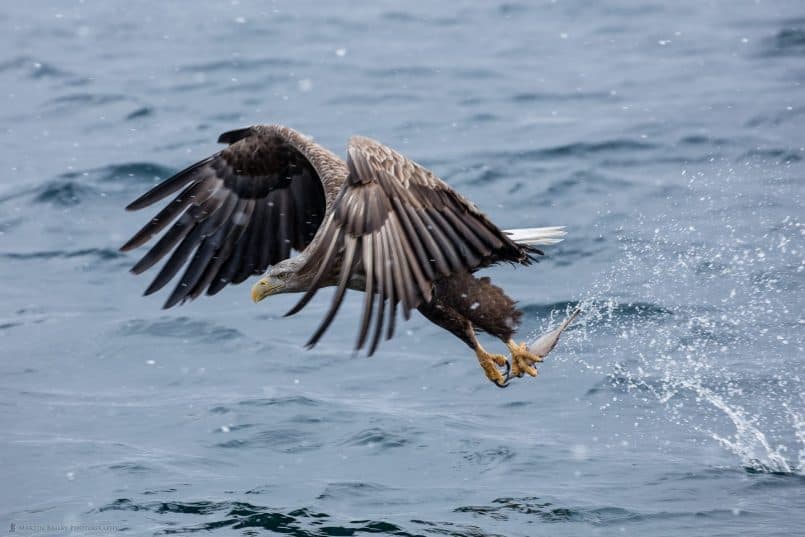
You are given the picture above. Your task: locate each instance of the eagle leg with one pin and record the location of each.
(444, 315)
(489, 362)
(522, 360)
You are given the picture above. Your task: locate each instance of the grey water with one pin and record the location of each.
(668, 137)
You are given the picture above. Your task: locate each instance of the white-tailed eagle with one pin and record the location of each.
(378, 223)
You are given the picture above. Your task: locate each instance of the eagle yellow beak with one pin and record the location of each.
(265, 287)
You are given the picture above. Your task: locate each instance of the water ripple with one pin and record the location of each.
(788, 41)
(76, 187)
(65, 193)
(101, 254)
(377, 437)
(586, 149)
(33, 68)
(180, 328)
(281, 440)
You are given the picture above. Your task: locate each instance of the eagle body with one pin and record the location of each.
(464, 302)
(378, 223)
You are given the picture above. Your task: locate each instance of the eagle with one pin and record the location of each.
(378, 222)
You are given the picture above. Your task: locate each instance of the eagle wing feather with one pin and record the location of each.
(238, 211)
(394, 229)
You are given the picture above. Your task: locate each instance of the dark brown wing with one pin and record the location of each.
(240, 210)
(394, 229)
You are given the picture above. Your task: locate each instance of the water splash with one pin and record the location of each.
(690, 319)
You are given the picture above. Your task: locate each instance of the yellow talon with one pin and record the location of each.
(489, 363)
(522, 360)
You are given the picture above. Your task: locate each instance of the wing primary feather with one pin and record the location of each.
(250, 258)
(459, 244)
(399, 265)
(392, 319)
(312, 206)
(163, 218)
(367, 247)
(259, 218)
(177, 259)
(416, 263)
(381, 292)
(346, 271)
(466, 233)
(436, 256)
(445, 237)
(413, 239)
(443, 245)
(193, 271)
(285, 231)
(297, 191)
(390, 291)
(175, 234)
(187, 245)
(169, 186)
(214, 282)
(415, 285)
(480, 227)
(222, 248)
(232, 265)
(270, 249)
(214, 265)
(210, 244)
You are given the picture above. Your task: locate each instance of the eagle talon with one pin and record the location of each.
(504, 384)
(506, 377)
(490, 363)
(522, 360)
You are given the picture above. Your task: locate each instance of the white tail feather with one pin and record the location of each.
(537, 235)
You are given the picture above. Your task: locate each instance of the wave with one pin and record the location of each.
(143, 111)
(367, 99)
(788, 41)
(34, 68)
(547, 511)
(491, 457)
(776, 154)
(181, 328)
(315, 522)
(586, 149)
(302, 522)
(280, 440)
(293, 400)
(377, 437)
(794, 113)
(76, 187)
(535, 97)
(101, 254)
(343, 489)
(240, 64)
(86, 99)
(126, 172)
(420, 19)
(65, 193)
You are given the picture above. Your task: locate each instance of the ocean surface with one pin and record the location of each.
(669, 137)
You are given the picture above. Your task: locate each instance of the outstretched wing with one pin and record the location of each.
(241, 209)
(395, 228)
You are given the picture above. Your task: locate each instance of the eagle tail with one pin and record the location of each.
(537, 235)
